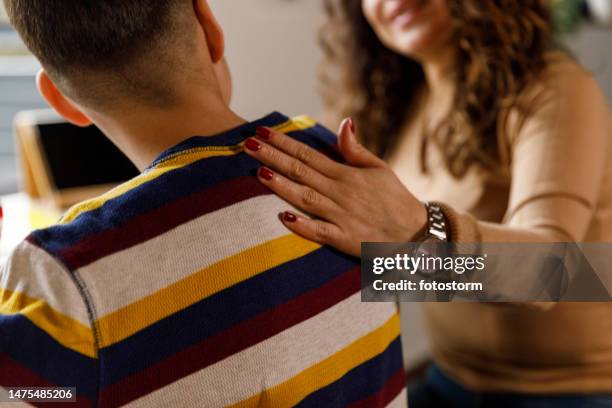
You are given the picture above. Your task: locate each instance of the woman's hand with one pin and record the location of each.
(362, 201)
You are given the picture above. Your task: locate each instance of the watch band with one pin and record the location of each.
(437, 226)
(434, 244)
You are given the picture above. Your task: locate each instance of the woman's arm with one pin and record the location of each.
(558, 162)
(559, 157)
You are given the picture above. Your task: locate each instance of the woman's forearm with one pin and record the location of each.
(467, 229)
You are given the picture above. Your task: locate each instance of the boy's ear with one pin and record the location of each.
(59, 102)
(214, 33)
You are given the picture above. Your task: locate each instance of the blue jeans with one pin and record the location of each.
(437, 390)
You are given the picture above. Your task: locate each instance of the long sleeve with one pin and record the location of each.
(46, 335)
(559, 157)
(560, 190)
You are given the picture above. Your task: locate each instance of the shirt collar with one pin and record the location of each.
(229, 138)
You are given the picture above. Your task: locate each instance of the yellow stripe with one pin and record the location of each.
(299, 123)
(65, 330)
(291, 392)
(179, 162)
(295, 124)
(176, 161)
(123, 323)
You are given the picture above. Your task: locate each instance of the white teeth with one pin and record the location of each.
(404, 11)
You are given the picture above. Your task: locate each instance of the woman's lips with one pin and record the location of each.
(404, 13)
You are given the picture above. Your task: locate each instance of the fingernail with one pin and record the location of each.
(351, 124)
(289, 217)
(263, 132)
(266, 174)
(252, 144)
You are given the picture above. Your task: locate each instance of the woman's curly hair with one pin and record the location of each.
(501, 46)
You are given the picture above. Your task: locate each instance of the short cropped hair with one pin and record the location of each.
(93, 49)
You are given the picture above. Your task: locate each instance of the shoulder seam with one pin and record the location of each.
(86, 297)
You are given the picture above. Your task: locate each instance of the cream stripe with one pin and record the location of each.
(141, 314)
(401, 401)
(277, 359)
(174, 162)
(327, 371)
(36, 274)
(182, 251)
(4, 396)
(36, 286)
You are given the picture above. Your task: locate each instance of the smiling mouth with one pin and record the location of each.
(405, 13)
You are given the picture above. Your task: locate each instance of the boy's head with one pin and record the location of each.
(110, 55)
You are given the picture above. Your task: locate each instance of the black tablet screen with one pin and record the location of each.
(82, 157)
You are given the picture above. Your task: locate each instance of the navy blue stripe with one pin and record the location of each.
(229, 138)
(324, 134)
(359, 383)
(221, 311)
(239, 134)
(324, 141)
(169, 187)
(33, 348)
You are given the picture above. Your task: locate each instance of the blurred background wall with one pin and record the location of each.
(17, 92)
(273, 51)
(272, 48)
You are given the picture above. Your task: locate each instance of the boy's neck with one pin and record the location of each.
(143, 134)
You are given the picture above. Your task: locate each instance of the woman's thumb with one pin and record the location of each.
(354, 152)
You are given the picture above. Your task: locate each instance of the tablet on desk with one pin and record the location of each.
(63, 164)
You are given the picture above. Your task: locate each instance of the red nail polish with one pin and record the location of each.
(252, 144)
(351, 124)
(266, 174)
(289, 217)
(264, 133)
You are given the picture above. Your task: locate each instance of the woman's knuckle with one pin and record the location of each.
(272, 154)
(304, 154)
(310, 197)
(322, 231)
(297, 171)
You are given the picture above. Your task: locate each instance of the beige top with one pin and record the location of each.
(555, 186)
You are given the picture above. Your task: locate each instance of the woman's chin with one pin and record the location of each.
(413, 45)
(419, 42)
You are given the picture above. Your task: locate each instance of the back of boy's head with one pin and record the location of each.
(98, 51)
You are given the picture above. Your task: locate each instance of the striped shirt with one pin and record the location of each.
(182, 288)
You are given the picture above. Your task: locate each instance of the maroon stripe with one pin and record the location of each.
(232, 340)
(15, 375)
(156, 222)
(382, 398)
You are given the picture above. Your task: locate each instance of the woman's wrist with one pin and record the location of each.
(463, 227)
(435, 224)
(422, 224)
